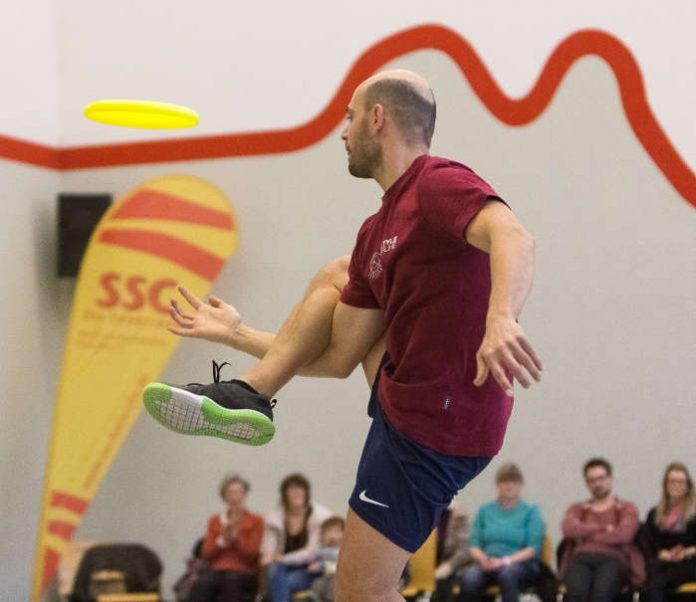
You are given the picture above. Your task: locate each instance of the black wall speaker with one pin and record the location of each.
(78, 215)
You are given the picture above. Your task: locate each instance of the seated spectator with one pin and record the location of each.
(669, 535)
(323, 565)
(232, 546)
(596, 563)
(195, 566)
(292, 539)
(506, 541)
(452, 551)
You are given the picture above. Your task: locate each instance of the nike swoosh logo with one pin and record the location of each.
(363, 497)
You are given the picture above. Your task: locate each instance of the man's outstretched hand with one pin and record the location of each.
(505, 349)
(215, 321)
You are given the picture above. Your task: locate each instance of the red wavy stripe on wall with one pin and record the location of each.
(153, 204)
(510, 111)
(60, 499)
(188, 256)
(29, 152)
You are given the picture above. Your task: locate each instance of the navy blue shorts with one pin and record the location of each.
(402, 488)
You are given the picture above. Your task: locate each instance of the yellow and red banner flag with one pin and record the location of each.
(170, 230)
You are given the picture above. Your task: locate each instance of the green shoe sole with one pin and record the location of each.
(190, 414)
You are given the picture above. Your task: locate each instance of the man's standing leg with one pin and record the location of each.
(369, 566)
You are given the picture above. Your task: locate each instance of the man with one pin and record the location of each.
(600, 532)
(440, 273)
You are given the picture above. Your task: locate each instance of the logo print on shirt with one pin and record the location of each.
(363, 497)
(388, 244)
(376, 267)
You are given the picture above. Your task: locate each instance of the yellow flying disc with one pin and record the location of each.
(144, 114)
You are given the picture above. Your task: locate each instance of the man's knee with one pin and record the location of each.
(357, 590)
(353, 585)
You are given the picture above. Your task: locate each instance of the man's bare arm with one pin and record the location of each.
(353, 330)
(496, 231)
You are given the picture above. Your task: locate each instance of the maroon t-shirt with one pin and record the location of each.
(411, 259)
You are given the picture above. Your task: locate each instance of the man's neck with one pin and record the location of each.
(395, 162)
(604, 502)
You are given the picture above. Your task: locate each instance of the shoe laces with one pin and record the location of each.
(216, 370)
(216, 373)
(216, 378)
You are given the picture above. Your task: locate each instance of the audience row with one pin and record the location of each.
(605, 550)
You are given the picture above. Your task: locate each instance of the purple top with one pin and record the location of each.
(411, 259)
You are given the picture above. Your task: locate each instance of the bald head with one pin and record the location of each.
(408, 99)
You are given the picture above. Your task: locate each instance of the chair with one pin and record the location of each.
(686, 589)
(69, 563)
(133, 567)
(128, 598)
(422, 569)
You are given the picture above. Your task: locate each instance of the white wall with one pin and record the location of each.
(29, 71)
(611, 313)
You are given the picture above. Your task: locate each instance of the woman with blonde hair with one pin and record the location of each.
(669, 538)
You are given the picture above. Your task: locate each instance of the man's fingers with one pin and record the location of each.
(508, 361)
(487, 363)
(182, 321)
(174, 308)
(529, 350)
(481, 371)
(182, 332)
(525, 360)
(502, 379)
(215, 301)
(177, 308)
(194, 301)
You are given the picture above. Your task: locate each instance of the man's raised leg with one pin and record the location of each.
(305, 333)
(322, 337)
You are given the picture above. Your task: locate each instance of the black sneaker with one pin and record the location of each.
(229, 409)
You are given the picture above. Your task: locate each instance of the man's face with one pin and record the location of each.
(599, 482)
(364, 152)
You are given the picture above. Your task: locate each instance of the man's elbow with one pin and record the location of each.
(524, 237)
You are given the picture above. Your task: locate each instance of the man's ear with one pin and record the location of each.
(377, 117)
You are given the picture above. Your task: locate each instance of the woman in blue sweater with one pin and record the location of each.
(506, 542)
